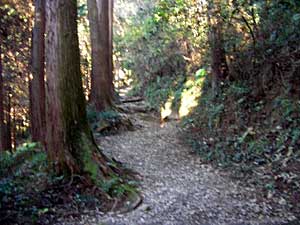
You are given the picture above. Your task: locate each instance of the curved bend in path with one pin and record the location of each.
(177, 188)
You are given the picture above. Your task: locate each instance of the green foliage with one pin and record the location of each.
(18, 171)
(252, 120)
(11, 161)
(117, 187)
(200, 73)
(108, 122)
(94, 116)
(82, 10)
(27, 147)
(239, 89)
(253, 136)
(27, 154)
(259, 142)
(98, 120)
(109, 115)
(156, 48)
(214, 115)
(158, 92)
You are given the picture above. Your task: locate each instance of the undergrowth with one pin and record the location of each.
(108, 122)
(251, 125)
(158, 92)
(259, 137)
(31, 194)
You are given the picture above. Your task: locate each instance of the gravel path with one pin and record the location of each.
(177, 188)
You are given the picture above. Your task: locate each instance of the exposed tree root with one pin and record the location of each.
(132, 100)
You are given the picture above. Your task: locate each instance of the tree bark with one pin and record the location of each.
(100, 14)
(37, 84)
(2, 125)
(7, 143)
(69, 142)
(219, 65)
(110, 39)
(14, 128)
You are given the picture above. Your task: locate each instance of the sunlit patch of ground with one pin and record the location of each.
(189, 97)
(166, 110)
(123, 81)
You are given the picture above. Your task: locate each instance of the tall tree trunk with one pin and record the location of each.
(110, 39)
(37, 84)
(7, 143)
(218, 56)
(100, 18)
(2, 125)
(14, 128)
(69, 141)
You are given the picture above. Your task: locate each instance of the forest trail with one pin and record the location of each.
(177, 188)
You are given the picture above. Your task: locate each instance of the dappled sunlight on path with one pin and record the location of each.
(176, 186)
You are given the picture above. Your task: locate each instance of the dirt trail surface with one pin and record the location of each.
(177, 188)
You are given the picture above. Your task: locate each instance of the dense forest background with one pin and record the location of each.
(228, 70)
